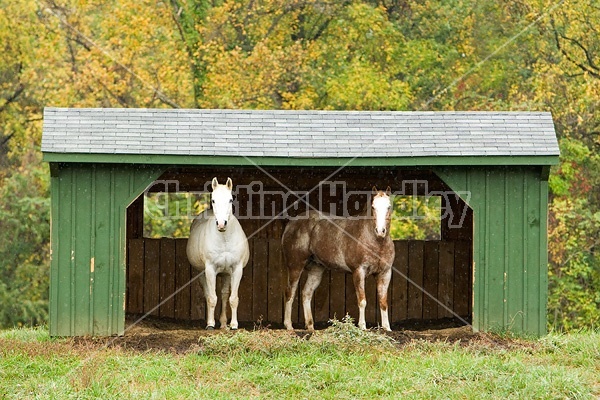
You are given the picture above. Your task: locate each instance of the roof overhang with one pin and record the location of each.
(190, 160)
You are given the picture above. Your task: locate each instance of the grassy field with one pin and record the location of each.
(340, 362)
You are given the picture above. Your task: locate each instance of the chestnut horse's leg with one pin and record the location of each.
(315, 273)
(383, 282)
(358, 277)
(294, 274)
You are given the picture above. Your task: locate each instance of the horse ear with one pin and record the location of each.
(229, 184)
(215, 183)
(374, 190)
(388, 191)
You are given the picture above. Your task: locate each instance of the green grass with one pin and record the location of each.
(341, 362)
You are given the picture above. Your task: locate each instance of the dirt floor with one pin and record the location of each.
(153, 334)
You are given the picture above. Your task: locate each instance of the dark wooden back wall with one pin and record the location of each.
(431, 280)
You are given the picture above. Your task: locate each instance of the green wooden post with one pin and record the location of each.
(87, 271)
(509, 245)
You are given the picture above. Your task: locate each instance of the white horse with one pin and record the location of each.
(218, 245)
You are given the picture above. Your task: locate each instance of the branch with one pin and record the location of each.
(6, 139)
(588, 249)
(248, 8)
(574, 75)
(20, 88)
(186, 21)
(119, 99)
(588, 56)
(581, 66)
(176, 16)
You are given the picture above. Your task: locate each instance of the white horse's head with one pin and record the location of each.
(222, 202)
(382, 211)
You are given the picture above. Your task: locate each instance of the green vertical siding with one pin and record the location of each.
(87, 277)
(495, 246)
(514, 262)
(102, 247)
(82, 228)
(510, 245)
(543, 244)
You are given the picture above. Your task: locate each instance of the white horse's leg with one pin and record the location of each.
(315, 273)
(236, 277)
(290, 293)
(226, 280)
(358, 277)
(210, 292)
(383, 282)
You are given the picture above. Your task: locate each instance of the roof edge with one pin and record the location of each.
(169, 159)
(52, 109)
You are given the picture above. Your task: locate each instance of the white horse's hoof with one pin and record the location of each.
(210, 328)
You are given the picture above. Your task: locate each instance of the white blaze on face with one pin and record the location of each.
(381, 207)
(222, 203)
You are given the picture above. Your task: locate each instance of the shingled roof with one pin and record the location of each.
(304, 134)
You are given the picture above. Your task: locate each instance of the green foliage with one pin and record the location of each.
(416, 218)
(171, 214)
(576, 176)
(363, 73)
(24, 246)
(574, 244)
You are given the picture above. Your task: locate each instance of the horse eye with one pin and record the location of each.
(231, 200)
(212, 201)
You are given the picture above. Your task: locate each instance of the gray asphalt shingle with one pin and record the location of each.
(279, 133)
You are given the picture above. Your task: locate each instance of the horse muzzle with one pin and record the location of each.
(381, 233)
(221, 226)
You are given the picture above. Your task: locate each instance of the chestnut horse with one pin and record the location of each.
(359, 245)
(218, 245)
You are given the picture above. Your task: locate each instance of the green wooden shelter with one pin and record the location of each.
(491, 271)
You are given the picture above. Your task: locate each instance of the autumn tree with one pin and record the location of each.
(303, 54)
(117, 54)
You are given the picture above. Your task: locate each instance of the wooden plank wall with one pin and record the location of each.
(431, 280)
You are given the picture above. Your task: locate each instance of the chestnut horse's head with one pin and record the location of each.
(222, 202)
(382, 211)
